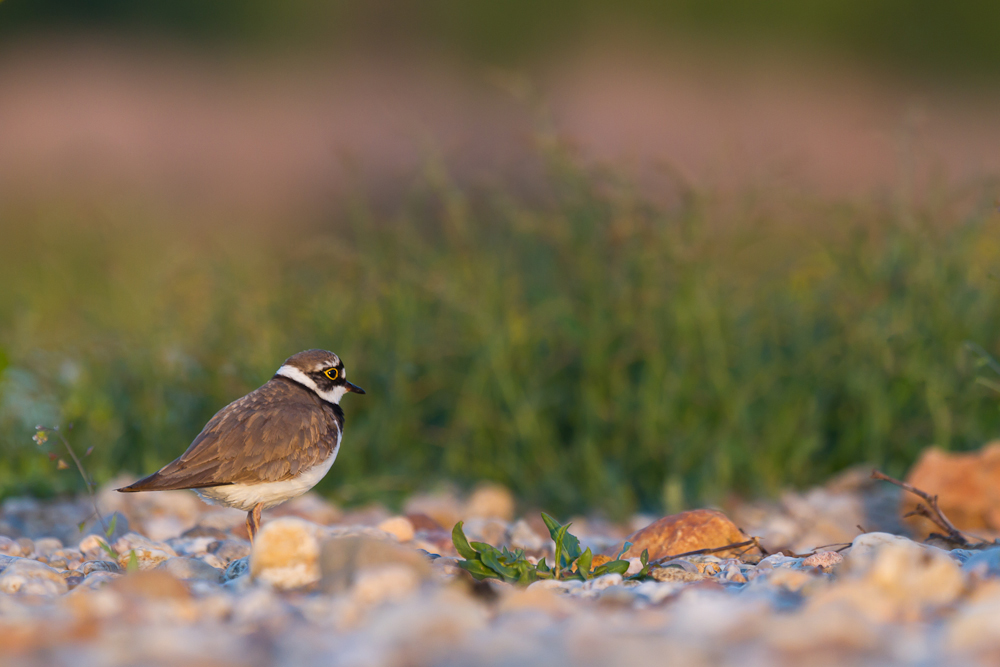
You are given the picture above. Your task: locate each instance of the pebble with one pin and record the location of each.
(365, 593)
(97, 579)
(45, 546)
(866, 546)
(823, 560)
(399, 527)
(490, 501)
(385, 583)
(229, 550)
(29, 577)
(444, 508)
(100, 566)
(9, 547)
(236, 569)
(146, 558)
(190, 568)
(286, 553)
(677, 574)
(985, 563)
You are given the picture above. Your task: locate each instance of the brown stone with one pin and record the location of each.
(491, 501)
(423, 522)
(154, 584)
(967, 486)
(684, 532)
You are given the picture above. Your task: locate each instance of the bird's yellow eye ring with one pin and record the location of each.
(332, 373)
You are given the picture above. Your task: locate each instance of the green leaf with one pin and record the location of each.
(628, 545)
(111, 527)
(528, 574)
(107, 548)
(491, 560)
(612, 567)
(477, 569)
(542, 566)
(551, 524)
(583, 563)
(462, 545)
(80, 526)
(133, 562)
(559, 537)
(644, 572)
(482, 546)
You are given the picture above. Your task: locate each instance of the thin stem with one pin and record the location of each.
(752, 542)
(86, 479)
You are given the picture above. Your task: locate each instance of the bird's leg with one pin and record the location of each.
(253, 521)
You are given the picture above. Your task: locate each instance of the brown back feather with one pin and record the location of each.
(269, 435)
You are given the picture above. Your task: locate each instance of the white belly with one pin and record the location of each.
(246, 496)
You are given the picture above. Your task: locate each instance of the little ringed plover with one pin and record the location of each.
(272, 445)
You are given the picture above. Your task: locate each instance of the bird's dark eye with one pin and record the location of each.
(332, 373)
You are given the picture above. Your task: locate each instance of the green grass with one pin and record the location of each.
(589, 351)
(923, 38)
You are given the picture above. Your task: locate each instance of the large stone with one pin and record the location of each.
(684, 532)
(967, 486)
(286, 553)
(347, 560)
(886, 578)
(28, 577)
(866, 546)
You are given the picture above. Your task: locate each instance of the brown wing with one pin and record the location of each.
(269, 435)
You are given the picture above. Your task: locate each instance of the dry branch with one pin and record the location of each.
(752, 542)
(931, 511)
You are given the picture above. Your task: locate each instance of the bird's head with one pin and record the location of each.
(321, 371)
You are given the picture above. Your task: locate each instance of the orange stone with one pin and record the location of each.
(684, 532)
(967, 486)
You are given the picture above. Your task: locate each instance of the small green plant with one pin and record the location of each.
(484, 561)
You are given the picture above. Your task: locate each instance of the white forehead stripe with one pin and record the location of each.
(293, 373)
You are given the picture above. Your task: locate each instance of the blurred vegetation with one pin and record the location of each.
(923, 36)
(589, 351)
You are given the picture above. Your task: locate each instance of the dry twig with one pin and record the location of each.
(931, 511)
(746, 546)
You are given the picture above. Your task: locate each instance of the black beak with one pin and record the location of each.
(353, 388)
